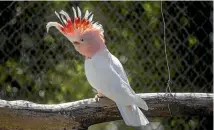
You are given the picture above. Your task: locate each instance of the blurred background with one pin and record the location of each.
(44, 68)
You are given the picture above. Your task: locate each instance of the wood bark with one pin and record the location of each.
(81, 114)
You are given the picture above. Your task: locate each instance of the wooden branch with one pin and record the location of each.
(81, 114)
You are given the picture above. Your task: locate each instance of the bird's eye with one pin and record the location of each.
(82, 40)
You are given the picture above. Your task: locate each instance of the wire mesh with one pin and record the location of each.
(45, 68)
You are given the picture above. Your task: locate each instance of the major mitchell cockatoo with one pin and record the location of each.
(103, 70)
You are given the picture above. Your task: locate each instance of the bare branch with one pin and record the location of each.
(83, 113)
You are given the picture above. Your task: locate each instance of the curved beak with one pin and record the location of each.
(76, 42)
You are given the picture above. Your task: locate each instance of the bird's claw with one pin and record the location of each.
(97, 97)
(168, 94)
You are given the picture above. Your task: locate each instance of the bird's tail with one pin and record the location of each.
(140, 102)
(132, 115)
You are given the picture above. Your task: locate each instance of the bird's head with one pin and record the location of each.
(86, 36)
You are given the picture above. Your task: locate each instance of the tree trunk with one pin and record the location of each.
(81, 114)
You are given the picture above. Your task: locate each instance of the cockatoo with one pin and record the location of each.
(103, 70)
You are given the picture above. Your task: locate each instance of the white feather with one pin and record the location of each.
(79, 12)
(86, 14)
(65, 14)
(58, 16)
(65, 21)
(90, 18)
(53, 24)
(133, 116)
(75, 13)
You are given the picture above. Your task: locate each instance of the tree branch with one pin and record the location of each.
(81, 114)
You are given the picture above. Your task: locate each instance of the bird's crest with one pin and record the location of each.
(78, 24)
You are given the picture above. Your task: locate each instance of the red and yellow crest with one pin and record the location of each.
(78, 24)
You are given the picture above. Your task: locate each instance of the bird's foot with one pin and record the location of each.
(168, 94)
(98, 96)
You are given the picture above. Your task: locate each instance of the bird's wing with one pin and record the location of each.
(117, 66)
(112, 81)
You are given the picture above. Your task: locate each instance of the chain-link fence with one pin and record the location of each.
(45, 68)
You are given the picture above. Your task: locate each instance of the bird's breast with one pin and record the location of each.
(92, 74)
(89, 72)
(97, 72)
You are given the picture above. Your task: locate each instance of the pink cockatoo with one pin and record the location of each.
(103, 70)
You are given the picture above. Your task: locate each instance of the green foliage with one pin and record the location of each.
(192, 40)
